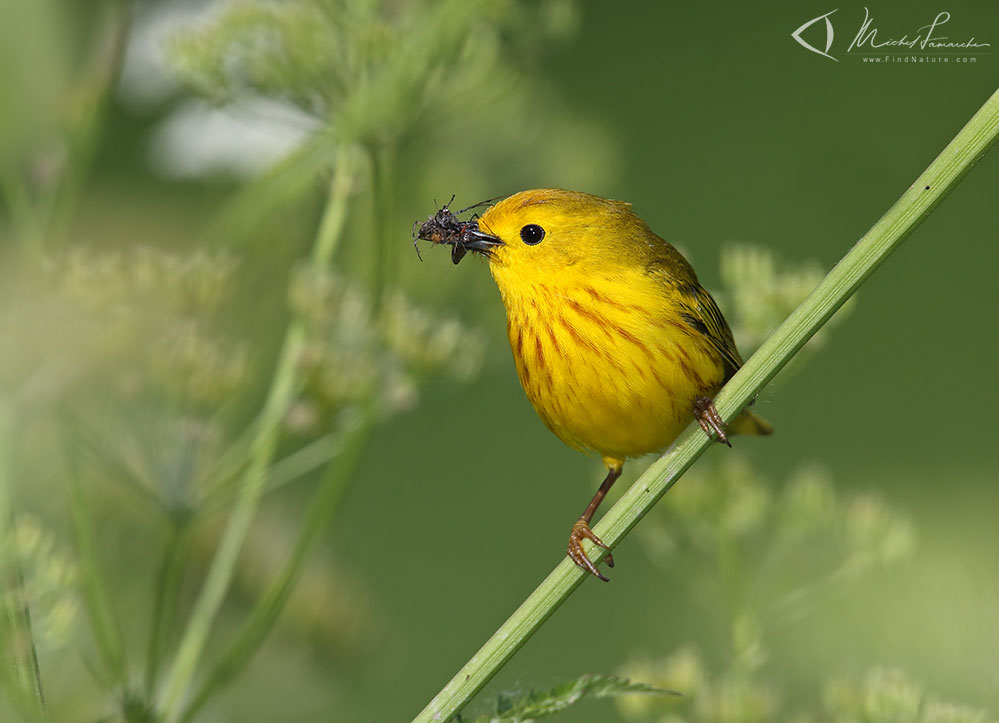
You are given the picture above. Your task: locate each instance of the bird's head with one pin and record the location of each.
(541, 233)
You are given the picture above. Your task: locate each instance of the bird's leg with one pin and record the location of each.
(709, 419)
(581, 529)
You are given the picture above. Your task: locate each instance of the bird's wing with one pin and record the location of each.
(703, 315)
(697, 309)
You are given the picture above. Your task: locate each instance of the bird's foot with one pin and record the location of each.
(709, 419)
(581, 530)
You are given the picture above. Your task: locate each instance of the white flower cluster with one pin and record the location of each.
(357, 353)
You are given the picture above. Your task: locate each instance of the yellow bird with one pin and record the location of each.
(617, 345)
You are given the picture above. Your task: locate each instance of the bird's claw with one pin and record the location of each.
(710, 420)
(581, 530)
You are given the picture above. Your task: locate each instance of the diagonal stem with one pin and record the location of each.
(268, 608)
(973, 141)
(284, 384)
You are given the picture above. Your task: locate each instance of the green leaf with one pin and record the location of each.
(529, 706)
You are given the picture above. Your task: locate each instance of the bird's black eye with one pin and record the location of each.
(532, 234)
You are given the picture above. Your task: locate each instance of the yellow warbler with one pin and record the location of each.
(617, 345)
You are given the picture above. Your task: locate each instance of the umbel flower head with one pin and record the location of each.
(369, 70)
(357, 356)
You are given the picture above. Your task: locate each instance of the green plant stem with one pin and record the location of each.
(335, 213)
(265, 613)
(381, 157)
(876, 245)
(165, 597)
(27, 229)
(283, 387)
(96, 86)
(103, 619)
(41, 218)
(17, 642)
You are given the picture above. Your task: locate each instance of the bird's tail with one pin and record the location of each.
(750, 423)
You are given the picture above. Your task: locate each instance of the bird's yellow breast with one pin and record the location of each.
(606, 359)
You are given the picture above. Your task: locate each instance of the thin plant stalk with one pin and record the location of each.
(40, 219)
(970, 144)
(262, 447)
(17, 641)
(381, 157)
(265, 613)
(103, 619)
(166, 593)
(27, 227)
(113, 20)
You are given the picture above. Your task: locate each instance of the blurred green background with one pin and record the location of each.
(150, 245)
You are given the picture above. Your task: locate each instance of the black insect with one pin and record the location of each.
(444, 227)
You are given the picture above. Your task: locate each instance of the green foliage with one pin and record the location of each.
(142, 278)
(38, 606)
(275, 597)
(153, 312)
(881, 696)
(355, 353)
(157, 406)
(886, 695)
(372, 70)
(529, 706)
(31, 36)
(761, 555)
(759, 291)
(377, 75)
(104, 621)
(756, 558)
(151, 398)
(48, 579)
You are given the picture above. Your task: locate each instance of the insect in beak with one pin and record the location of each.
(444, 227)
(474, 239)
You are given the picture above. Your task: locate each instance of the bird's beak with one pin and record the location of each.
(474, 239)
(477, 240)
